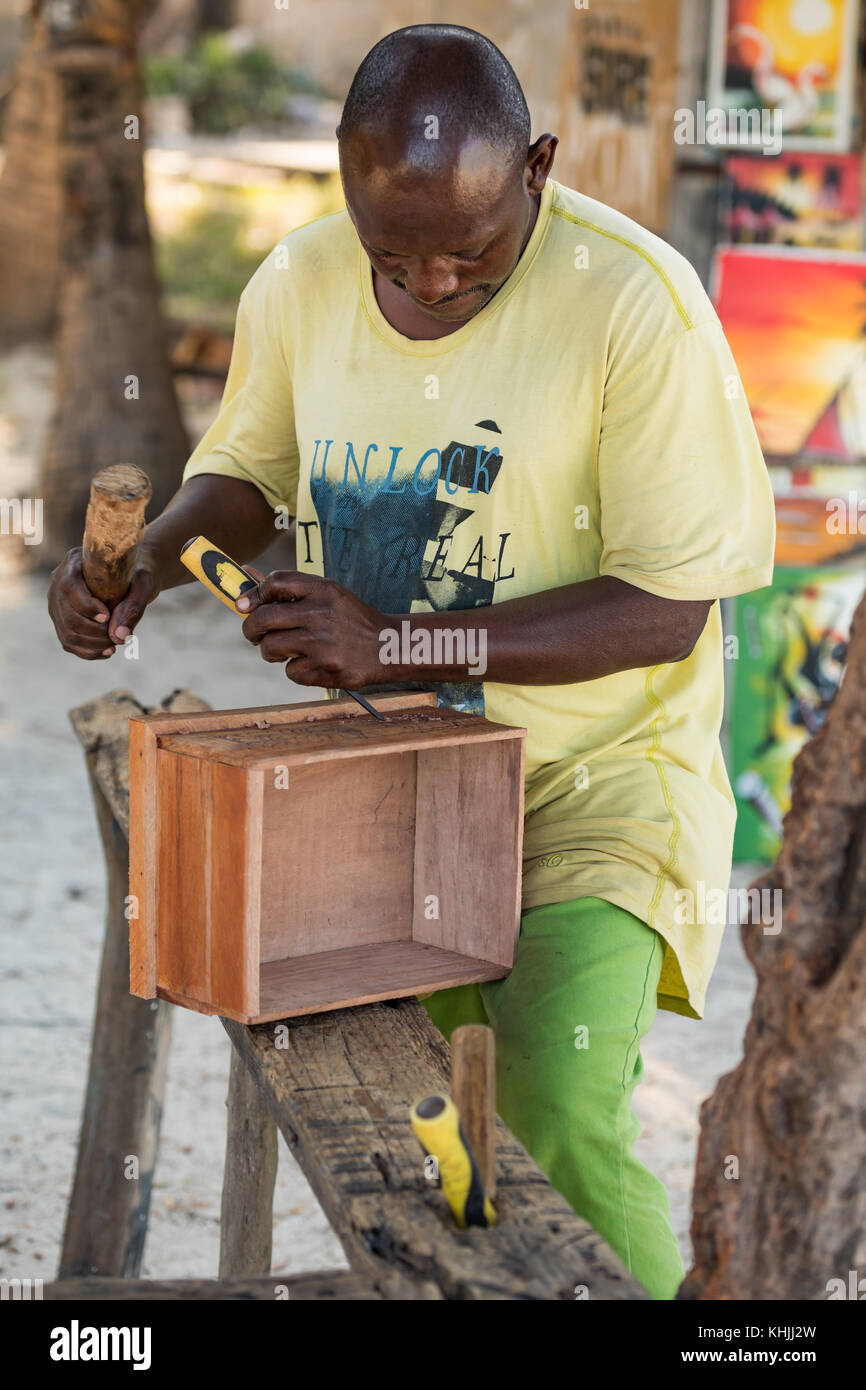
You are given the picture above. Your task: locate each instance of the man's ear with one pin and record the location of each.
(539, 161)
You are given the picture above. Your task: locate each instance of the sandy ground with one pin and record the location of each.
(52, 895)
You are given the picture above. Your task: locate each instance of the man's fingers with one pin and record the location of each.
(87, 649)
(304, 672)
(273, 617)
(282, 586)
(128, 612)
(80, 630)
(281, 646)
(81, 601)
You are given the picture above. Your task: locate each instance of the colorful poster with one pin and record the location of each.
(816, 530)
(791, 646)
(794, 57)
(796, 323)
(794, 200)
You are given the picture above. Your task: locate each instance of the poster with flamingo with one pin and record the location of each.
(794, 57)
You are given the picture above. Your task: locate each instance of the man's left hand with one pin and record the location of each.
(326, 635)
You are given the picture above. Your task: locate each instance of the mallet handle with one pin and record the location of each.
(113, 529)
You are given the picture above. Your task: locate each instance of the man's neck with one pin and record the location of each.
(412, 322)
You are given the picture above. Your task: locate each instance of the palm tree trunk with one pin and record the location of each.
(30, 198)
(115, 400)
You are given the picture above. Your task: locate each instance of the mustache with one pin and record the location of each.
(446, 298)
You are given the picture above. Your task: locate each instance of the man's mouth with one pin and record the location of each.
(442, 306)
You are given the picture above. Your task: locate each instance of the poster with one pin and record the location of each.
(617, 93)
(793, 200)
(792, 642)
(796, 323)
(816, 529)
(794, 57)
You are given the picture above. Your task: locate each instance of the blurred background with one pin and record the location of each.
(121, 261)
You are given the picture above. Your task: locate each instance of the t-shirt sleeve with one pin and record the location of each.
(253, 437)
(686, 507)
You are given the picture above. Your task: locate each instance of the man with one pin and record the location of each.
(484, 394)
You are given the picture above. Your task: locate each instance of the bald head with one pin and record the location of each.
(425, 92)
(440, 179)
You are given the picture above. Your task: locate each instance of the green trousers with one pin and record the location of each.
(569, 1021)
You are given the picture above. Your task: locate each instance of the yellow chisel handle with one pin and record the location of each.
(437, 1127)
(228, 581)
(216, 571)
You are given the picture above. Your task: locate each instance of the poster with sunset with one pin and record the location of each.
(796, 323)
(794, 57)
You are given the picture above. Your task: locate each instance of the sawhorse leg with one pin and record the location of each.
(246, 1226)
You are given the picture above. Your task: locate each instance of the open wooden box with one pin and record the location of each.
(306, 857)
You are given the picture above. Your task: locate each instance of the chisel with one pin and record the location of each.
(213, 568)
(437, 1127)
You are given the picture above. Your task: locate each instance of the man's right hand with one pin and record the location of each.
(88, 627)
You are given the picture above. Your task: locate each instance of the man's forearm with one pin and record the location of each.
(231, 513)
(579, 632)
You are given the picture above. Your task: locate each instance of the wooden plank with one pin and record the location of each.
(247, 1212)
(324, 1285)
(166, 721)
(337, 856)
(106, 1219)
(263, 746)
(364, 974)
(340, 1087)
(133, 782)
(473, 1090)
(472, 871)
(142, 861)
(182, 792)
(617, 92)
(235, 890)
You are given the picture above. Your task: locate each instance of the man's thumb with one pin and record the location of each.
(128, 612)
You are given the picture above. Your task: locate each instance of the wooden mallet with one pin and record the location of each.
(113, 528)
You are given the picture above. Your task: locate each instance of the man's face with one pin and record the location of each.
(448, 236)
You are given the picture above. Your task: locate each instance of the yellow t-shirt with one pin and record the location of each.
(589, 420)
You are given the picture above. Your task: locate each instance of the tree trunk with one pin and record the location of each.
(115, 400)
(215, 14)
(30, 198)
(780, 1186)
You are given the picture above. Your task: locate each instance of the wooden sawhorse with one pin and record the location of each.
(339, 1093)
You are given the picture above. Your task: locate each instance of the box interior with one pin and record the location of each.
(400, 864)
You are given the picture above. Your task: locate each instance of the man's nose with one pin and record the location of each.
(431, 281)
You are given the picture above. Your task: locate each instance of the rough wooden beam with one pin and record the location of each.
(247, 1217)
(339, 1086)
(780, 1189)
(327, 1284)
(106, 1220)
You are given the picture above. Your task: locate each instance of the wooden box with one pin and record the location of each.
(307, 857)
